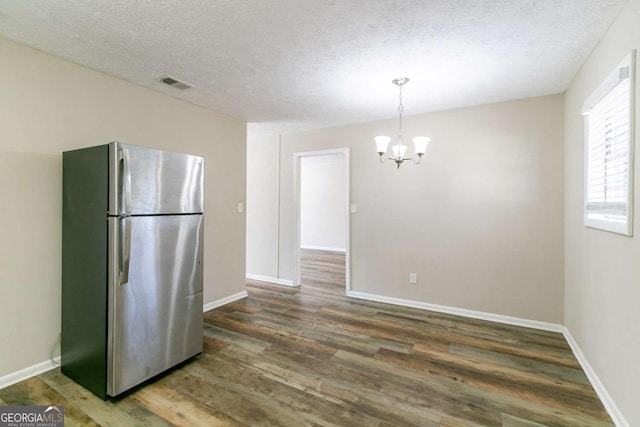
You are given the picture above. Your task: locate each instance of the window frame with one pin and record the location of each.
(624, 70)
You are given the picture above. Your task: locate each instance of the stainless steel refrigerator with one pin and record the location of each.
(132, 247)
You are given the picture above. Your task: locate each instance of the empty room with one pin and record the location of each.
(323, 213)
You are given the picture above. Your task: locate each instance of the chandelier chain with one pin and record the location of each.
(400, 111)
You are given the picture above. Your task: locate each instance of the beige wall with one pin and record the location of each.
(47, 106)
(602, 270)
(262, 205)
(480, 220)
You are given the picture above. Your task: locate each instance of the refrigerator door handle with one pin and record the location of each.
(125, 249)
(125, 181)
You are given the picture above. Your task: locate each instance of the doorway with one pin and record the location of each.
(322, 218)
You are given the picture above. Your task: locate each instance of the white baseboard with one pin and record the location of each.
(28, 372)
(601, 391)
(269, 279)
(553, 327)
(323, 248)
(226, 300)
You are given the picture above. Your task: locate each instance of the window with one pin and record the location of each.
(609, 134)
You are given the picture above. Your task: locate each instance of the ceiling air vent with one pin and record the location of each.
(173, 82)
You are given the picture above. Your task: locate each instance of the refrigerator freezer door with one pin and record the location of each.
(145, 181)
(155, 318)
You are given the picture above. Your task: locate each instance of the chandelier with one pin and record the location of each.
(419, 142)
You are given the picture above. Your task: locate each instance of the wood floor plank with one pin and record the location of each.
(522, 363)
(462, 391)
(495, 378)
(316, 332)
(549, 341)
(313, 408)
(35, 391)
(105, 413)
(212, 345)
(272, 335)
(178, 409)
(226, 397)
(318, 321)
(511, 421)
(234, 338)
(335, 387)
(445, 338)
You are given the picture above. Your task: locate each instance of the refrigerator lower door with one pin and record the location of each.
(155, 296)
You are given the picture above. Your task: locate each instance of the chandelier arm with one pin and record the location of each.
(414, 160)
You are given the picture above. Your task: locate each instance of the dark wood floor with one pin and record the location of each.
(310, 356)
(323, 268)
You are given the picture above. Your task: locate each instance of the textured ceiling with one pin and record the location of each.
(290, 65)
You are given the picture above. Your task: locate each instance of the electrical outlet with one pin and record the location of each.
(413, 278)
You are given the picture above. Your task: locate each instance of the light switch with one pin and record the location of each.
(353, 208)
(413, 279)
(240, 207)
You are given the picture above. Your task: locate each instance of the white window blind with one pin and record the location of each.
(609, 147)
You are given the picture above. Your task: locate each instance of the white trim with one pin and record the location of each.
(517, 321)
(278, 206)
(28, 372)
(601, 391)
(347, 251)
(226, 300)
(296, 218)
(269, 279)
(323, 248)
(624, 70)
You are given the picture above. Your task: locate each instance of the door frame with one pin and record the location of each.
(296, 204)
